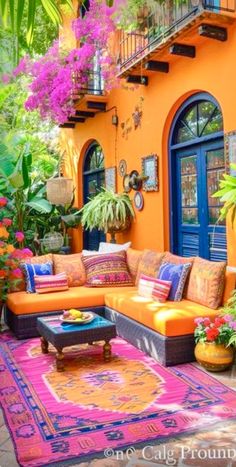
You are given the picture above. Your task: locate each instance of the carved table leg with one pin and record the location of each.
(107, 351)
(60, 360)
(44, 345)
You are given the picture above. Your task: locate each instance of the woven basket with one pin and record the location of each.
(60, 190)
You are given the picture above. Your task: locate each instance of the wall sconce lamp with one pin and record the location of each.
(115, 120)
(136, 180)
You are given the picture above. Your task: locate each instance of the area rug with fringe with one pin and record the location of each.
(55, 416)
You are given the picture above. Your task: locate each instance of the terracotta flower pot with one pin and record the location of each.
(214, 357)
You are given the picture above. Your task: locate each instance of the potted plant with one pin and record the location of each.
(108, 211)
(214, 341)
(227, 194)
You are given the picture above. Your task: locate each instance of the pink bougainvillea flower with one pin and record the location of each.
(26, 252)
(7, 222)
(19, 236)
(3, 201)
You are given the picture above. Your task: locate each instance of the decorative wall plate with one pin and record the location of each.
(138, 201)
(122, 167)
(126, 183)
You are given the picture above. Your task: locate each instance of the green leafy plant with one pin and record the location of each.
(227, 194)
(107, 211)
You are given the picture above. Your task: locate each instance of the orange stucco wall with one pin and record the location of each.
(213, 71)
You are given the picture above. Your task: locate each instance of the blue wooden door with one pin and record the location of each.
(198, 171)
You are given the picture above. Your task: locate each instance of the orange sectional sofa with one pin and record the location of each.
(163, 330)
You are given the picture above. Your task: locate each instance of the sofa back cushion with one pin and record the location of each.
(149, 264)
(175, 259)
(107, 247)
(177, 274)
(107, 270)
(154, 289)
(51, 283)
(133, 258)
(206, 282)
(73, 266)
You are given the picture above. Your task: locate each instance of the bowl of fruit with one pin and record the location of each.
(74, 316)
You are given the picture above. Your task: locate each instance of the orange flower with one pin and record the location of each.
(10, 248)
(2, 273)
(2, 251)
(3, 232)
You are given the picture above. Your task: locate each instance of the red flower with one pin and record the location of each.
(7, 222)
(3, 201)
(2, 273)
(206, 321)
(212, 334)
(219, 322)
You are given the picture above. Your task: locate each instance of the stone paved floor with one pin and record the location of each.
(216, 447)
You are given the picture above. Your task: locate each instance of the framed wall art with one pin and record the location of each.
(230, 151)
(110, 179)
(150, 169)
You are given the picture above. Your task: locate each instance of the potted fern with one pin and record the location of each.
(108, 211)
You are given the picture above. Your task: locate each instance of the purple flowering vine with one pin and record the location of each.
(60, 76)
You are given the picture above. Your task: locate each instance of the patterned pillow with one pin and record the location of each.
(21, 285)
(31, 270)
(206, 282)
(72, 266)
(177, 274)
(107, 270)
(154, 289)
(149, 264)
(51, 283)
(133, 258)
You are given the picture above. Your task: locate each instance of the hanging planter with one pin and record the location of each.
(60, 190)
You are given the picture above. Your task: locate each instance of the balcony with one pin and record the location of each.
(90, 100)
(159, 34)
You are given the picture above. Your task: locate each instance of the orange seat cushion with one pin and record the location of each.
(169, 318)
(22, 303)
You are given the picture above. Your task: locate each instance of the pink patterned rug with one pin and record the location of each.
(132, 400)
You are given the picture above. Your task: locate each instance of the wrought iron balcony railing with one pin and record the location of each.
(168, 18)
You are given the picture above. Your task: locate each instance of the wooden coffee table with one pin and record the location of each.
(60, 335)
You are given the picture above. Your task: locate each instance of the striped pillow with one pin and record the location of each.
(107, 270)
(51, 283)
(155, 289)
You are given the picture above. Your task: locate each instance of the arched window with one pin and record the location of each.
(197, 120)
(94, 158)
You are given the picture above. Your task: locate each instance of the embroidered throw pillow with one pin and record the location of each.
(72, 266)
(149, 264)
(155, 289)
(51, 283)
(31, 270)
(206, 282)
(21, 285)
(177, 274)
(107, 270)
(105, 247)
